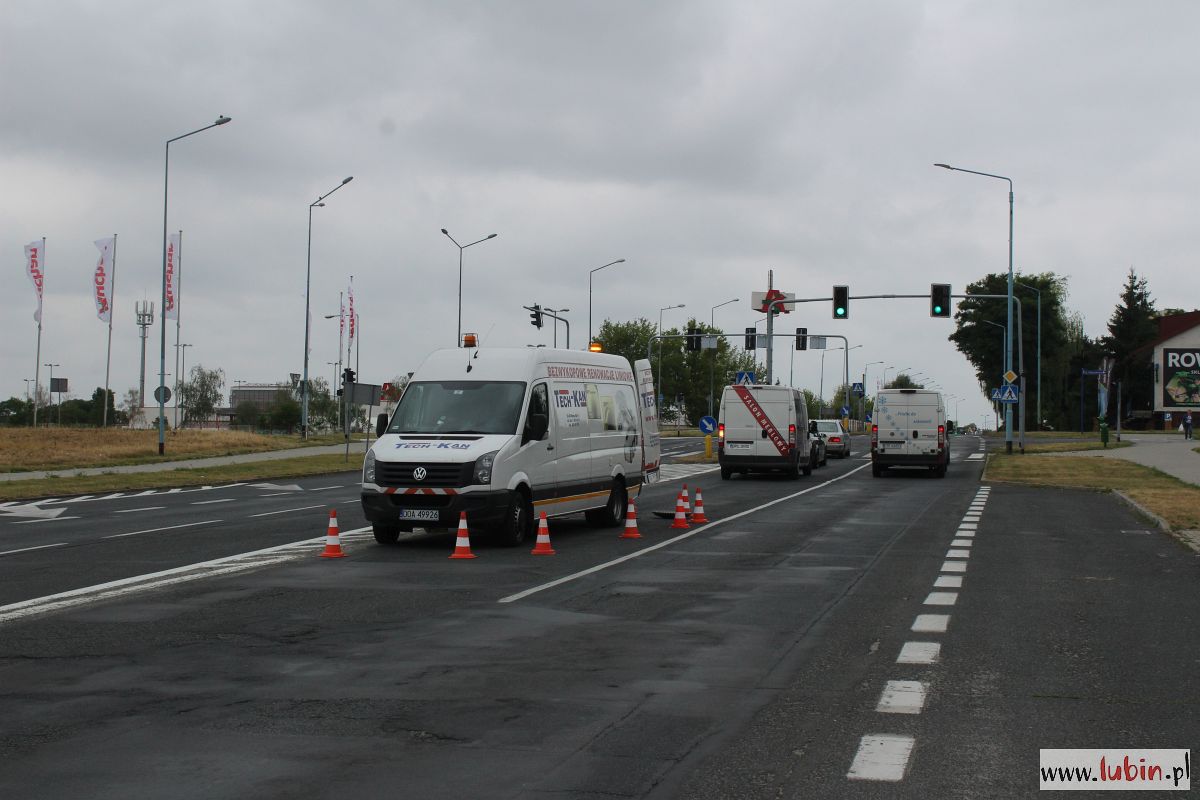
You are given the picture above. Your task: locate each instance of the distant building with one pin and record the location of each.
(262, 395)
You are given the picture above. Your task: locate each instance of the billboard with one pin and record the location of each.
(1180, 370)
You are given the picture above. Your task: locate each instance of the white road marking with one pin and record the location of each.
(138, 583)
(287, 510)
(958, 553)
(668, 542)
(931, 623)
(948, 582)
(47, 519)
(167, 528)
(143, 508)
(27, 549)
(210, 502)
(969, 517)
(975, 457)
(964, 532)
(968, 526)
(902, 697)
(881, 757)
(954, 566)
(941, 599)
(919, 653)
(323, 488)
(960, 543)
(277, 494)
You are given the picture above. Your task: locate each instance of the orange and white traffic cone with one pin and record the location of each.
(462, 545)
(687, 503)
(333, 545)
(543, 548)
(680, 515)
(698, 517)
(631, 529)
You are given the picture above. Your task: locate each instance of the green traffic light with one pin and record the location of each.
(937, 309)
(841, 312)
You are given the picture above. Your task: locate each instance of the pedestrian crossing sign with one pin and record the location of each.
(1008, 394)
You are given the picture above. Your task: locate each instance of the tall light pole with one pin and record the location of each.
(1004, 332)
(162, 346)
(712, 370)
(1039, 356)
(659, 331)
(304, 393)
(181, 351)
(590, 273)
(864, 383)
(1008, 434)
(461, 247)
(52, 366)
(557, 311)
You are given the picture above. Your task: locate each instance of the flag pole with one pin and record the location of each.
(37, 359)
(112, 299)
(178, 319)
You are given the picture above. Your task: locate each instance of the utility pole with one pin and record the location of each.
(145, 319)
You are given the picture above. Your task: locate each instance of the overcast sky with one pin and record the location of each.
(706, 143)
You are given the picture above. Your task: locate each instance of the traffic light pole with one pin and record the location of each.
(536, 313)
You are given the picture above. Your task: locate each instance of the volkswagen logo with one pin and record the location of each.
(419, 474)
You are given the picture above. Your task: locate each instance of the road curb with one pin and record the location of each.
(1189, 538)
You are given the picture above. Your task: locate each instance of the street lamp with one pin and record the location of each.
(590, 273)
(461, 247)
(1008, 437)
(1007, 417)
(712, 323)
(864, 384)
(659, 331)
(555, 321)
(162, 346)
(52, 366)
(304, 393)
(1039, 356)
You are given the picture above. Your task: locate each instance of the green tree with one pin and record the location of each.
(284, 413)
(1132, 326)
(246, 414)
(200, 394)
(16, 411)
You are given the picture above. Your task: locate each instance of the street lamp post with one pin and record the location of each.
(52, 366)
(590, 273)
(712, 362)
(659, 331)
(304, 393)
(864, 383)
(1039, 356)
(1008, 437)
(1004, 333)
(555, 319)
(162, 347)
(461, 247)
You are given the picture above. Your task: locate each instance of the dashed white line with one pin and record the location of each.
(919, 653)
(323, 488)
(968, 526)
(964, 532)
(954, 566)
(27, 549)
(960, 543)
(948, 582)
(210, 502)
(902, 697)
(958, 554)
(287, 510)
(167, 528)
(881, 757)
(47, 519)
(144, 508)
(941, 599)
(931, 623)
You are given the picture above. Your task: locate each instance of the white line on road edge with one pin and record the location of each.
(155, 580)
(27, 549)
(167, 528)
(881, 758)
(286, 510)
(902, 697)
(679, 538)
(948, 582)
(144, 508)
(919, 653)
(931, 623)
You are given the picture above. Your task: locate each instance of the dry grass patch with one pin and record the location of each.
(29, 449)
(1068, 447)
(1168, 497)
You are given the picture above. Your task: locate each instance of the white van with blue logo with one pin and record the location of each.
(504, 434)
(909, 431)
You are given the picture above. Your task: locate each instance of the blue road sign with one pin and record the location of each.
(707, 424)
(845, 411)
(1008, 394)
(858, 390)
(995, 394)
(745, 377)
(868, 417)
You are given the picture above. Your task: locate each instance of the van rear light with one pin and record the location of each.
(874, 436)
(941, 436)
(791, 436)
(720, 437)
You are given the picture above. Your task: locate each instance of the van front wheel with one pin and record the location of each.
(518, 521)
(385, 534)
(613, 513)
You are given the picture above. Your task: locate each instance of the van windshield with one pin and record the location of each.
(440, 407)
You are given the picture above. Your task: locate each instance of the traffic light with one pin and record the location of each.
(751, 338)
(801, 338)
(693, 339)
(348, 375)
(939, 300)
(841, 302)
(535, 316)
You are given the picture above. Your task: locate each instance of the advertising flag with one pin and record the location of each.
(341, 320)
(33, 267)
(353, 319)
(171, 310)
(102, 282)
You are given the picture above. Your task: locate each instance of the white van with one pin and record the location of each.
(909, 430)
(765, 428)
(505, 433)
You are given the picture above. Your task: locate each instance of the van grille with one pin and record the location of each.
(441, 476)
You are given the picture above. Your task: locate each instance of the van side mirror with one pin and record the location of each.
(812, 426)
(380, 425)
(535, 427)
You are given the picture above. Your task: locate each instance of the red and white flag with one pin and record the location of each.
(103, 282)
(33, 268)
(353, 318)
(171, 307)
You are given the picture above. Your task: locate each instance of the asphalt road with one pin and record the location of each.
(745, 658)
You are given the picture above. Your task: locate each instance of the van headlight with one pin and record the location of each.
(369, 467)
(483, 468)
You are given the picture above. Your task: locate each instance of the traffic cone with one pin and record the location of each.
(462, 545)
(687, 503)
(680, 515)
(333, 545)
(698, 517)
(543, 548)
(631, 529)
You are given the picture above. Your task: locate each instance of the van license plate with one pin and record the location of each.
(426, 514)
(738, 445)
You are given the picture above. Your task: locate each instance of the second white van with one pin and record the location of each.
(766, 428)
(909, 430)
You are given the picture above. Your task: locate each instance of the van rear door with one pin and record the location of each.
(651, 446)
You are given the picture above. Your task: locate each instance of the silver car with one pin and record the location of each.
(837, 438)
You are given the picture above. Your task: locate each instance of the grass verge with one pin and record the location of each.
(228, 473)
(1176, 502)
